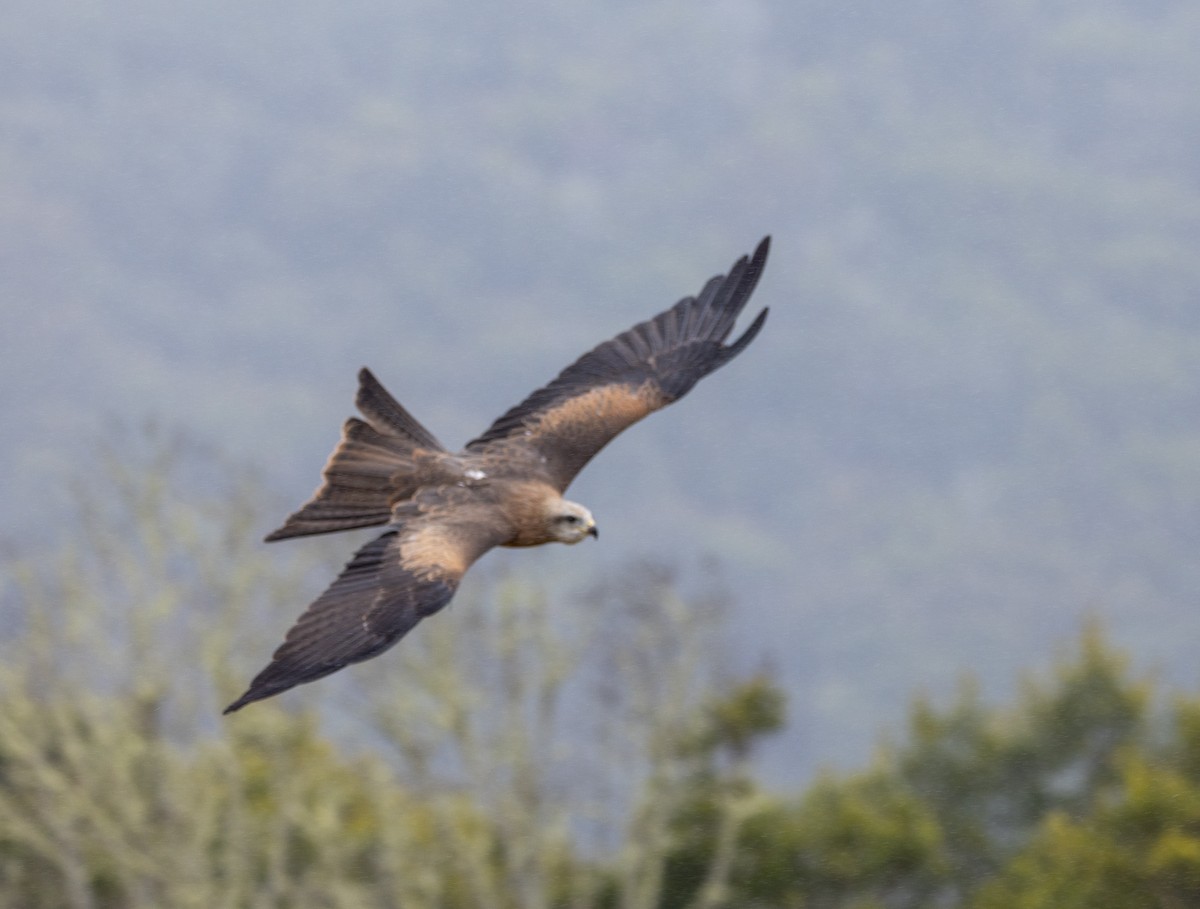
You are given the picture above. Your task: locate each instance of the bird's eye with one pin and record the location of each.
(570, 518)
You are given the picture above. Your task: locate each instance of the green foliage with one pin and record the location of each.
(117, 791)
(860, 841)
(991, 775)
(1137, 842)
(733, 723)
(508, 756)
(722, 796)
(973, 395)
(1075, 795)
(100, 811)
(518, 756)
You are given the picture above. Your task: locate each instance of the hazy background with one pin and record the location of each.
(970, 421)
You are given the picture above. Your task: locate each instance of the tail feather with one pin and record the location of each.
(369, 469)
(374, 402)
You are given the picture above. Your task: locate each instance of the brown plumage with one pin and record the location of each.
(443, 510)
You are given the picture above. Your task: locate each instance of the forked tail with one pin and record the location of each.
(368, 469)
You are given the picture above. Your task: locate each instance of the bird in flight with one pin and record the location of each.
(443, 510)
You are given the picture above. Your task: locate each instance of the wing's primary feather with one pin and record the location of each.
(371, 605)
(639, 371)
(409, 572)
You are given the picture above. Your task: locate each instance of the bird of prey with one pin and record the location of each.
(443, 510)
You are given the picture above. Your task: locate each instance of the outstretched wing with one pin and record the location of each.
(409, 572)
(639, 371)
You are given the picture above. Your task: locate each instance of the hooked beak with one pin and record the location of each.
(593, 532)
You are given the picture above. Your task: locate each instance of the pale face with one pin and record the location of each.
(571, 522)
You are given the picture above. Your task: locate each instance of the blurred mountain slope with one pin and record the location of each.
(971, 418)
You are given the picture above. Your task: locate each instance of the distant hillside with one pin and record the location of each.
(973, 416)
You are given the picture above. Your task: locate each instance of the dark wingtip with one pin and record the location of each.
(255, 692)
(761, 251)
(731, 351)
(758, 261)
(745, 274)
(238, 704)
(718, 312)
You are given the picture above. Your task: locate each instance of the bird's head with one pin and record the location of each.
(570, 522)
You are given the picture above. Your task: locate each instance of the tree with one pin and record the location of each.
(991, 775)
(1137, 843)
(579, 734)
(968, 802)
(723, 797)
(509, 754)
